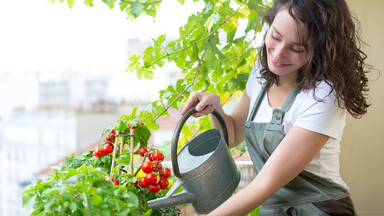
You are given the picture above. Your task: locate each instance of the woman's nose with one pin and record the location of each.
(279, 52)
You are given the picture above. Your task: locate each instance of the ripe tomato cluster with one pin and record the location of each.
(108, 146)
(114, 182)
(134, 127)
(156, 177)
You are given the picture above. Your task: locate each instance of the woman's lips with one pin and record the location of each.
(277, 64)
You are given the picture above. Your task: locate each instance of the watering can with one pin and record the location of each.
(204, 167)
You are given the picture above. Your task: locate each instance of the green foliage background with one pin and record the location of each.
(209, 53)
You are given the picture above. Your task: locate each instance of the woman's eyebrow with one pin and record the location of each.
(274, 28)
(293, 43)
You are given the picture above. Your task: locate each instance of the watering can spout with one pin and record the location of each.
(174, 200)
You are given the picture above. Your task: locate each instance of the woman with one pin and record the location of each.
(292, 114)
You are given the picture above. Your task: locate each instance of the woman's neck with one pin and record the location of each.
(287, 81)
(277, 94)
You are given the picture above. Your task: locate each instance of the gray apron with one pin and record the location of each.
(299, 196)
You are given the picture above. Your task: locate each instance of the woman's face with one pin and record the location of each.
(285, 52)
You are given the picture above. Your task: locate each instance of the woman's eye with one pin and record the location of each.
(297, 50)
(275, 38)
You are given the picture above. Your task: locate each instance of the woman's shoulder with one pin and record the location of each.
(322, 91)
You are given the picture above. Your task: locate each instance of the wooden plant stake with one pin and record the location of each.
(115, 151)
(122, 143)
(132, 142)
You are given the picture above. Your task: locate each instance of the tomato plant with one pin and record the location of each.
(111, 179)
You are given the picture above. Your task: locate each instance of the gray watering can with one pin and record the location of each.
(204, 167)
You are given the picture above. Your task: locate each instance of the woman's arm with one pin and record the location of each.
(293, 154)
(205, 103)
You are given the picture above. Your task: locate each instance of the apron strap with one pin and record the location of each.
(278, 114)
(257, 103)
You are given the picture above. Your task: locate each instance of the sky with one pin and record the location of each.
(39, 35)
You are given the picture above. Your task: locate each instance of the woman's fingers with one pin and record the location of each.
(203, 103)
(192, 101)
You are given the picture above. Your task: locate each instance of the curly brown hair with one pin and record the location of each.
(333, 45)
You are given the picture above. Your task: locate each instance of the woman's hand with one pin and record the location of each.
(205, 103)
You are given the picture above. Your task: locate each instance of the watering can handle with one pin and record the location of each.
(176, 135)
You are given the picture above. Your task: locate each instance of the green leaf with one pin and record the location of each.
(89, 2)
(72, 206)
(70, 3)
(147, 74)
(29, 200)
(51, 191)
(123, 5)
(110, 3)
(131, 197)
(136, 9)
(167, 95)
(102, 184)
(124, 159)
(155, 110)
(212, 20)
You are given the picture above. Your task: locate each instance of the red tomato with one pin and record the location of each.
(150, 156)
(150, 179)
(158, 156)
(98, 152)
(142, 151)
(163, 183)
(114, 182)
(107, 149)
(154, 188)
(166, 172)
(107, 178)
(135, 183)
(157, 166)
(113, 132)
(147, 167)
(111, 144)
(108, 138)
(142, 182)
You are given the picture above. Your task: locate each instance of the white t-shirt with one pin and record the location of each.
(324, 117)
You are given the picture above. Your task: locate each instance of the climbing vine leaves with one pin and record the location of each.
(215, 50)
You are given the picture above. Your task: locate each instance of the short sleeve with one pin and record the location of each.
(321, 113)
